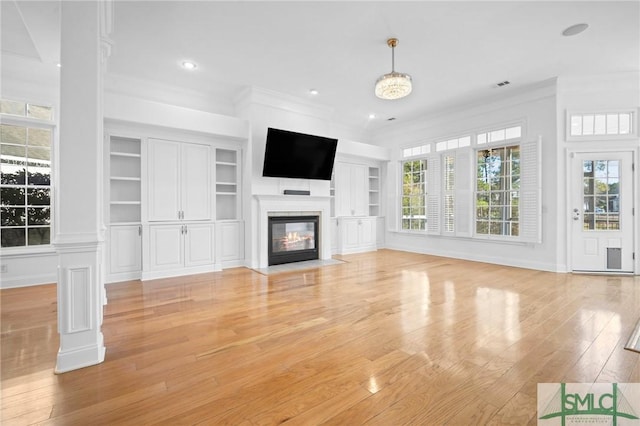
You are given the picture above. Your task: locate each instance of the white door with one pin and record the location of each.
(196, 182)
(360, 190)
(166, 247)
(198, 241)
(367, 231)
(602, 212)
(342, 179)
(164, 180)
(230, 241)
(125, 249)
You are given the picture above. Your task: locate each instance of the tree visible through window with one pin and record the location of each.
(414, 194)
(498, 191)
(25, 185)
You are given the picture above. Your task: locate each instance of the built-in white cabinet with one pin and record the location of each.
(356, 234)
(380, 231)
(125, 250)
(176, 246)
(334, 235)
(229, 242)
(351, 189)
(179, 181)
(124, 212)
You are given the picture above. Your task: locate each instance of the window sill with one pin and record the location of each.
(494, 240)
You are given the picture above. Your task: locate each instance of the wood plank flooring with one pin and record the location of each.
(387, 338)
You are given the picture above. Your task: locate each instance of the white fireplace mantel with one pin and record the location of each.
(272, 205)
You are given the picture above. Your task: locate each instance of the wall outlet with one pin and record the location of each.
(4, 268)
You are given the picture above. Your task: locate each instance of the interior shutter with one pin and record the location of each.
(434, 176)
(530, 192)
(464, 193)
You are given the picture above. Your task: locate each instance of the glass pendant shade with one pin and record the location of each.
(394, 85)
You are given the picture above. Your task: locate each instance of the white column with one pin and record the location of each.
(79, 200)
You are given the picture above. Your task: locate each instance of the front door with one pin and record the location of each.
(602, 212)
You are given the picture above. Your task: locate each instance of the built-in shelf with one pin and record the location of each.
(124, 180)
(374, 191)
(133, 179)
(125, 154)
(227, 180)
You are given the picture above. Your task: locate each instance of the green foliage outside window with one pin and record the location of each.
(498, 191)
(25, 185)
(414, 194)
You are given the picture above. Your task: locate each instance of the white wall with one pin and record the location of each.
(536, 108)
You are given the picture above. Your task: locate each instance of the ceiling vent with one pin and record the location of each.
(391, 118)
(503, 83)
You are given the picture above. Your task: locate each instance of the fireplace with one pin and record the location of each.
(293, 239)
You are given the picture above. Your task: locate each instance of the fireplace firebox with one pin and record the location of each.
(293, 239)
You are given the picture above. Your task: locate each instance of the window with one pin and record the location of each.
(499, 135)
(416, 151)
(498, 191)
(25, 177)
(601, 192)
(453, 143)
(600, 124)
(414, 195)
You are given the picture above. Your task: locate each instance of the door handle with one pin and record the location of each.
(576, 214)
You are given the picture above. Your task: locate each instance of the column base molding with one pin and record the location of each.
(81, 357)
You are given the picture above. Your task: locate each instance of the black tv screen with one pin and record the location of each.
(297, 155)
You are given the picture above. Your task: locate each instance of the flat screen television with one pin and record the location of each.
(298, 155)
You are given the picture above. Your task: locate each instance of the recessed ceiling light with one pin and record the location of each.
(313, 92)
(372, 116)
(575, 29)
(59, 65)
(188, 65)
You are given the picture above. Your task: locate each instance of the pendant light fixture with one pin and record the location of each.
(394, 85)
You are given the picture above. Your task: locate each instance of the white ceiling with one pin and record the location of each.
(455, 51)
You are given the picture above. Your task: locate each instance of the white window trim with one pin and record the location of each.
(571, 138)
(18, 120)
(399, 227)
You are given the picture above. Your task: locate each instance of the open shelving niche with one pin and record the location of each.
(227, 175)
(125, 180)
(374, 191)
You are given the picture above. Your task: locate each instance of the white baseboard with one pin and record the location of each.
(28, 280)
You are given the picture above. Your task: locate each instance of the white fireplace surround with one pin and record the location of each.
(292, 205)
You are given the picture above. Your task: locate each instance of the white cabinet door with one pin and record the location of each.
(350, 230)
(334, 235)
(198, 243)
(196, 182)
(125, 249)
(230, 237)
(367, 231)
(164, 180)
(351, 190)
(166, 246)
(179, 181)
(342, 190)
(359, 190)
(356, 234)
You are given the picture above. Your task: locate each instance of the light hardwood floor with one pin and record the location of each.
(387, 338)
